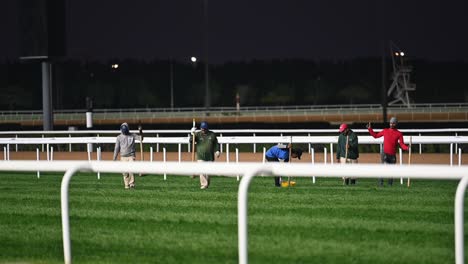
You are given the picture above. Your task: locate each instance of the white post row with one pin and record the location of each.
(230, 140)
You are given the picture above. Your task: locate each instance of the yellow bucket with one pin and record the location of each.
(286, 184)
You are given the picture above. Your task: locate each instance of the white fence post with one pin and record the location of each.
(65, 213)
(179, 152)
(264, 152)
(157, 144)
(459, 156)
(451, 154)
(237, 160)
(242, 206)
(459, 222)
(151, 153)
(325, 156)
(221, 145)
(37, 157)
(164, 160)
(98, 150)
(254, 145)
(312, 159)
(400, 151)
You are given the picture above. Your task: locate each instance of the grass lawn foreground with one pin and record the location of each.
(174, 221)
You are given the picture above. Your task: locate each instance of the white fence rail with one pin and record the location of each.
(249, 171)
(453, 141)
(233, 140)
(226, 131)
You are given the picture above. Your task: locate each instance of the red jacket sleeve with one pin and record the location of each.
(375, 135)
(402, 142)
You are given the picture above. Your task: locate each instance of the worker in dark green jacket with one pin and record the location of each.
(347, 151)
(207, 148)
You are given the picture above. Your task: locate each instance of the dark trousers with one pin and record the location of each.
(277, 179)
(387, 159)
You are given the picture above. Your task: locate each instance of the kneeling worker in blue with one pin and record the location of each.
(280, 153)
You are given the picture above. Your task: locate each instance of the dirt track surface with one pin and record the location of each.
(416, 158)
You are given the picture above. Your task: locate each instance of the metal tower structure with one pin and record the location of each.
(401, 78)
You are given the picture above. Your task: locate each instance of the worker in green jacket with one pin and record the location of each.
(347, 151)
(207, 149)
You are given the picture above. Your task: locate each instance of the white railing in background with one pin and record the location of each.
(227, 131)
(249, 171)
(452, 141)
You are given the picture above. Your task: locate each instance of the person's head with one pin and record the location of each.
(393, 122)
(204, 126)
(343, 128)
(124, 129)
(296, 153)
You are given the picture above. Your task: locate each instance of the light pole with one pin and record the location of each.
(171, 66)
(207, 74)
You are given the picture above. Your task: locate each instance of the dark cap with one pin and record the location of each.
(204, 125)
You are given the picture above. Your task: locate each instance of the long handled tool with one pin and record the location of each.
(140, 132)
(193, 145)
(409, 158)
(346, 155)
(193, 142)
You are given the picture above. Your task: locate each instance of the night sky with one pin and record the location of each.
(255, 29)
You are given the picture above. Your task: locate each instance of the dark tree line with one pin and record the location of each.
(142, 84)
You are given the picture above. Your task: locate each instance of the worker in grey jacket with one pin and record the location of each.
(125, 145)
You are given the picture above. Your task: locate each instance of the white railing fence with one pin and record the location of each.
(249, 171)
(452, 141)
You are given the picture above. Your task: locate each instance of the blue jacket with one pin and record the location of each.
(279, 153)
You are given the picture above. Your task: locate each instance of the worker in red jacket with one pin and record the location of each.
(392, 137)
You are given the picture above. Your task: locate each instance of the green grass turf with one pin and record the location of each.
(174, 221)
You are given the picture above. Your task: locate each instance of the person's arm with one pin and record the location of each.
(116, 149)
(402, 143)
(372, 133)
(140, 133)
(216, 146)
(338, 149)
(375, 135)
(284, 155)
